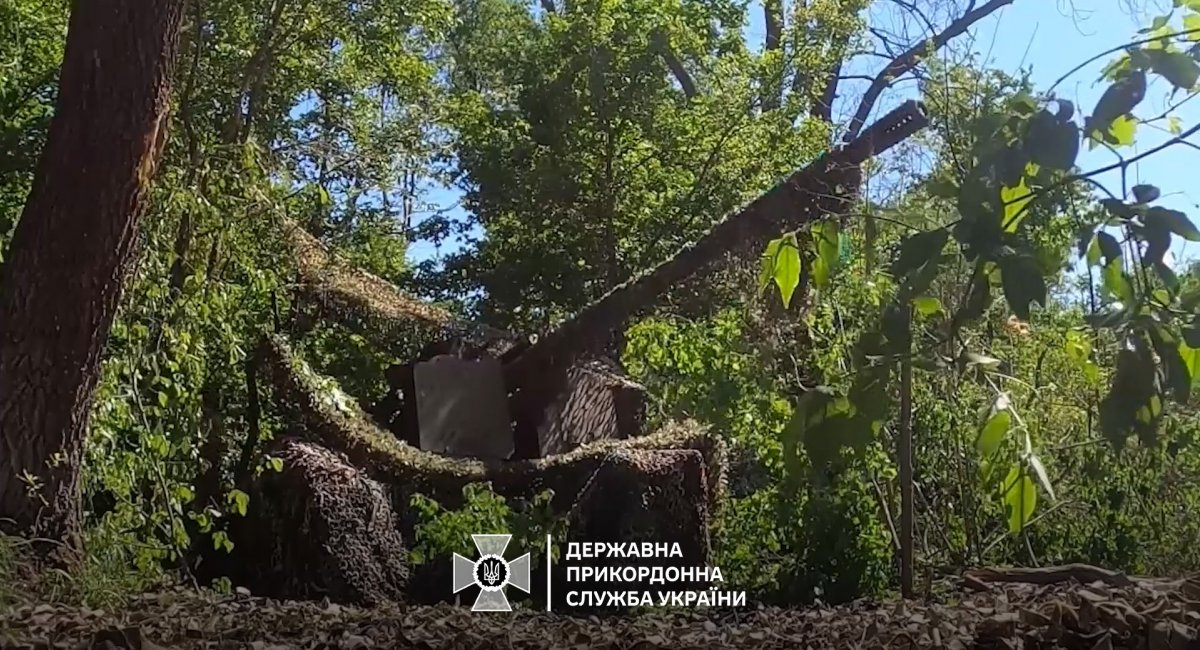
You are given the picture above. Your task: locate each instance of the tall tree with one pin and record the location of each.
(62, 280)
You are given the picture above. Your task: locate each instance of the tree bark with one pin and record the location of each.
(62, 281)
(772, 90)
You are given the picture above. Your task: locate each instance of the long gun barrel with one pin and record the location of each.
(827, 186)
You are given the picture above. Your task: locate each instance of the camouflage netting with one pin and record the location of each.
(643, 496)
(667, 486)
(330, 417)
(318, 528)
(372, 305)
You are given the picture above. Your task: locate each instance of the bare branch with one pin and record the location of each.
(911, 57)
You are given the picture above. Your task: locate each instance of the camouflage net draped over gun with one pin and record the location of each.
(375, 307)
(342, 472)
(356, 478)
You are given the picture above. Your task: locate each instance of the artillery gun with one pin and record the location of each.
(524, 416)
(475, 391)
(536, 376)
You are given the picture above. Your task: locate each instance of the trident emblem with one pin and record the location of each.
(491, 573)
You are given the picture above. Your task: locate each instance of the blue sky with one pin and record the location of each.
(1049, 38)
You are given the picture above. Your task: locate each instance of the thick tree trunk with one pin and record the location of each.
(62, 281)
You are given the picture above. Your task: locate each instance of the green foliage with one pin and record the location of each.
(441, 532)
(1022, 149)
(32, 34)
(583, 160)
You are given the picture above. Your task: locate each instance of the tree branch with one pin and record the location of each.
(675, 65)
(772, 93)
(911, 57)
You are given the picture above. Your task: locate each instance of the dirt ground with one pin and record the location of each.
(982, 612)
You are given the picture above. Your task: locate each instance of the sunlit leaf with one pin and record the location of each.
(1176, 67)
(1078, 346)
(1174, 124)
(787, 270)
(1121, 132)
(1020, 498)
(927, 305)
(993, 430)
(1118, 100)
(976, 359)
(1191, 360)
(1116, 283)
(767, 267)
(1191, 24)
(240, 500)
(1015, 199)
(1039, 471)
(826, 237)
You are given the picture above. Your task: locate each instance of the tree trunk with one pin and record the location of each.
(62, 281)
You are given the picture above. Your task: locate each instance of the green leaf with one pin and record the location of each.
(1121, 132)
(1133, 387)
(978, 300)
(1174, 124)
(916, 250)
(1158, 23)
(787, 269)
(993, 430)
(927, 305)
(1175, 221)
(1178, 376)
(1039, 471)
(1108, 246)
(1176, 67)
(1014, 200)
(827, 241)
(824, 423)
(1020, 498)
(1023, 284)
(1078, 346)
(1053, 142)
(240, 501)
(163, 399)
(1093, 251)
(976, 359)
(1118, 100)
(896, 328)
(942, 188)
(1145, 193)
(1191, 23)
(1190, 354)
(1116, 283)
(1167, 276)
(1191, 334)
(767, 268)
(1118, 208)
